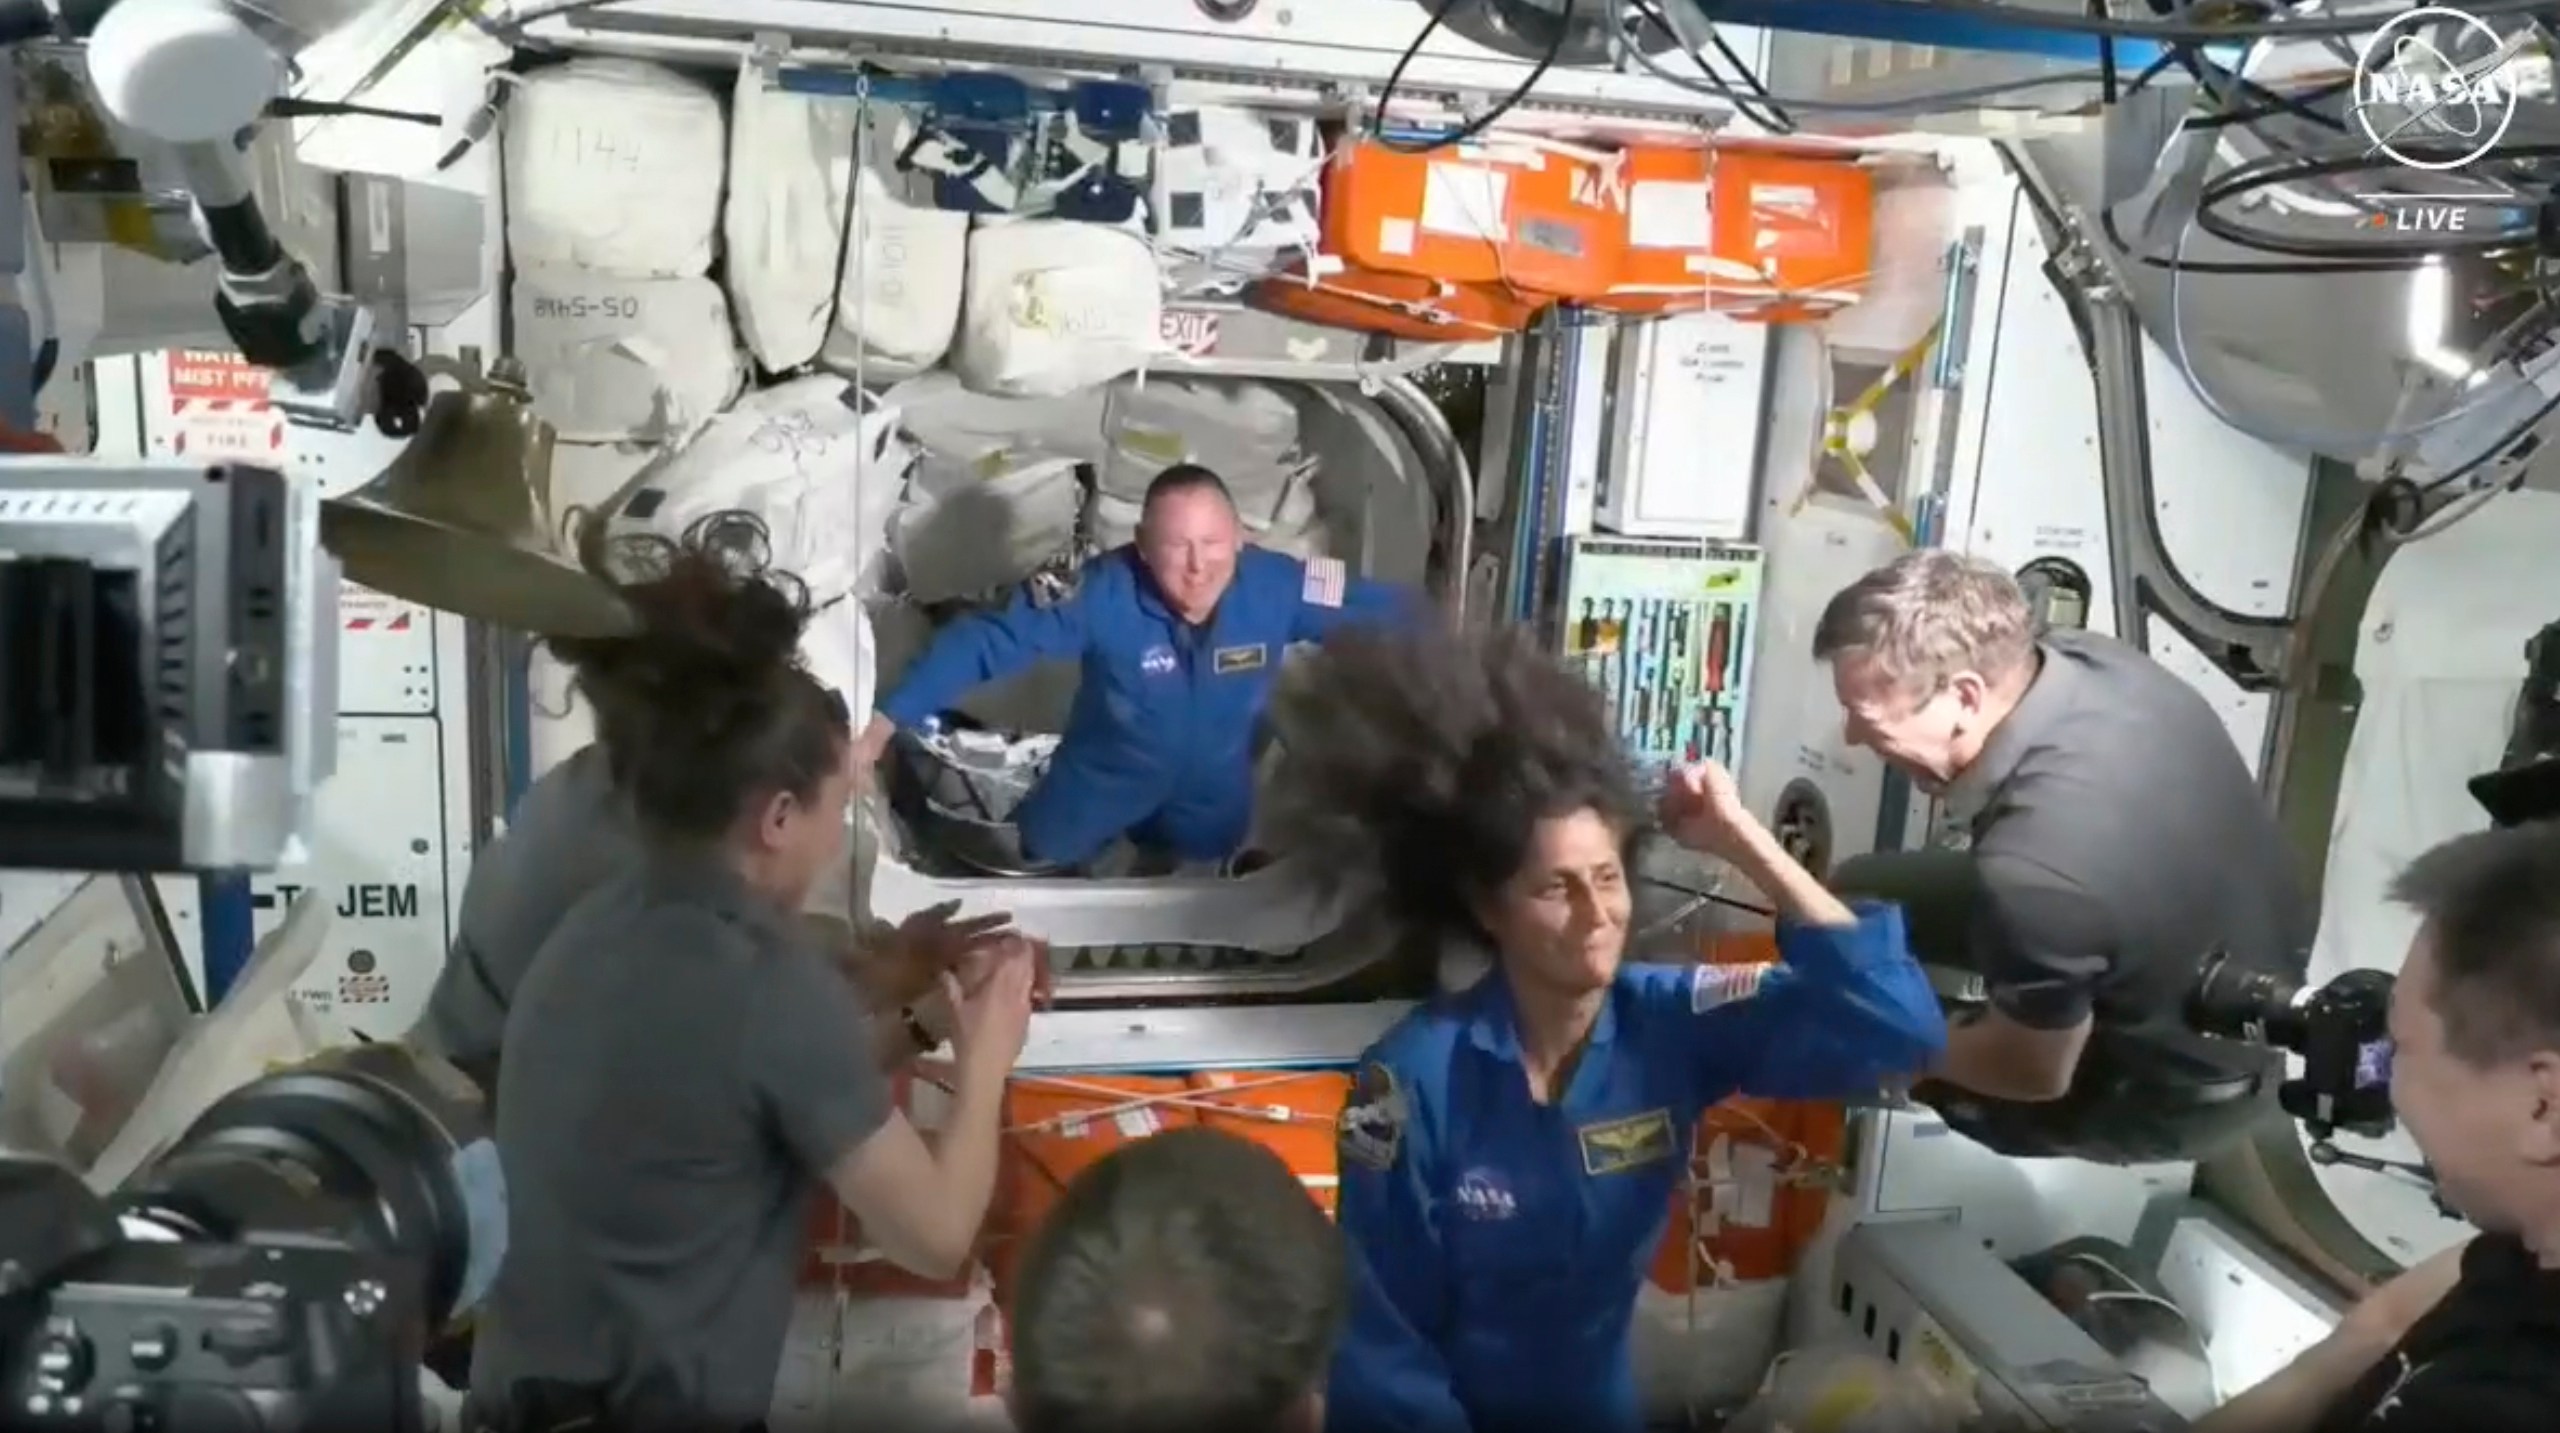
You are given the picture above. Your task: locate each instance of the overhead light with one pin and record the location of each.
(2430, 312)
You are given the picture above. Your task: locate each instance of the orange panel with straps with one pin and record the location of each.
(1527, 216)
(1761, 1178)
(1670, 237)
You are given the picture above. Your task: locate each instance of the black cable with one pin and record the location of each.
(2106, 60)
(2166, 263)
(2493, 451)
(2276, 170)
(1765, 113)
(1480, 123)
(2268, 103)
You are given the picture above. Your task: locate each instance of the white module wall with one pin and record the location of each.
(391, 838)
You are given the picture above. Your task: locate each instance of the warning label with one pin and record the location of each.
(361, 609)
(363, 989)
(207, 376)
(1189, 332)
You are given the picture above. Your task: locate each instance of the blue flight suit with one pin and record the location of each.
(1159, 743)
(1498, 1245)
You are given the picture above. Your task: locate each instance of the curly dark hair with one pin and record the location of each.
(1428, 758)
(706, 706)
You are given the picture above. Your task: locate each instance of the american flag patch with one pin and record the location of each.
(1326, 581)
(1713, 986)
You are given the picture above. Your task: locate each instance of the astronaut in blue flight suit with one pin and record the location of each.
(1509, 1152)
(1180, 634)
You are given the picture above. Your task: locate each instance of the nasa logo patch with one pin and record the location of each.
(1157, 661)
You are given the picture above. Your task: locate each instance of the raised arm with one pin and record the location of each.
(1388, 1373)
(980, 648)
(1331, 599)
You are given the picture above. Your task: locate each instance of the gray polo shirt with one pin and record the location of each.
(571, 833)
(680, 1070)
(2117, 840)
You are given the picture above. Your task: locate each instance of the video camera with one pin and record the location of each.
(166, 704)
(282, 1266)
(2342, 1029)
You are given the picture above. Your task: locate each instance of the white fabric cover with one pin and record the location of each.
(966, 435)
(785, 218)
(988, 534)
(1055, 306)
(614, 165)
(618, 359)
(898, 302)
(824, 476)
(1293, 527)
(1236, 193)
(1245, 432)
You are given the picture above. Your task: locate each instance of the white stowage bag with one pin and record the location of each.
(1292, 525)
(898, 302)
(822, 474)
(614, 360)
(785, 217)
(614, 165)
(1236, 194)
(988, 534)
(1247, 433)
(1054, 306)
(966, 436)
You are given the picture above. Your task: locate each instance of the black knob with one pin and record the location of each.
(152, 1348)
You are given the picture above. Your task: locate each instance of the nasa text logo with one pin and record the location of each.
(2420, 106)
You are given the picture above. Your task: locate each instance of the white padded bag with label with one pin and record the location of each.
(614, 360)
(989, 534)
(898, 302)
(1054, 306)
(785, 218)
(824, 475)
(614, 165)
(1236, 194)
(966, 436)
(1247, 433)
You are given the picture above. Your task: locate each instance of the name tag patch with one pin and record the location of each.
(1231, 660)
(1370, 1131)
(1616, 1146)
(1157, 661)
(1327, 581)
(1714, 986)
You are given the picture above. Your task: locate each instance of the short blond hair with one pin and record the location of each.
(1928, 615)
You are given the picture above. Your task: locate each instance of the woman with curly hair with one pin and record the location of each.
(575, 830)
(684, 1071)
(1508, 1158)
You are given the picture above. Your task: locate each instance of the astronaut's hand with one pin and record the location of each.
(1702, 809)
(2384, 1317)
(931, 942)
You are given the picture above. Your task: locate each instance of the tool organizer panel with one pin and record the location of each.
(1663, 627)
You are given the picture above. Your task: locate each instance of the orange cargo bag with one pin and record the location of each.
(1793, 236)
(1670, 231)
(1291, 1114)
(1527, 217)
(1397, 305)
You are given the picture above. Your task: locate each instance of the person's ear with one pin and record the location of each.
(1971, 691)
(773, 825)
(2542, 1137)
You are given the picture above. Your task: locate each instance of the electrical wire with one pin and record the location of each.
(1715, 88)
(1774, 118)
(2280, 169)
(1470, 128)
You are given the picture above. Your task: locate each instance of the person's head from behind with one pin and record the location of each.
(711, 726)
(1188, 536)
(1482, 781)
(1184, 1282)
(1928, 653)
(2475, 1022)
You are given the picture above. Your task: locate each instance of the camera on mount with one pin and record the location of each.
(283, 1265)
(2341, 1030)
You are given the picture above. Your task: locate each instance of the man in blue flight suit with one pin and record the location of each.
(1180, 634)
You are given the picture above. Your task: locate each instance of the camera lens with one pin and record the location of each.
(372, 1148)
(2235, 1003)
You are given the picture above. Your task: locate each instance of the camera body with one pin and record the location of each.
(2342, 1031)
(281, 1267)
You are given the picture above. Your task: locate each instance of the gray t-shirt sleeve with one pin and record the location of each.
(809, 1067)
(2046, 942)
